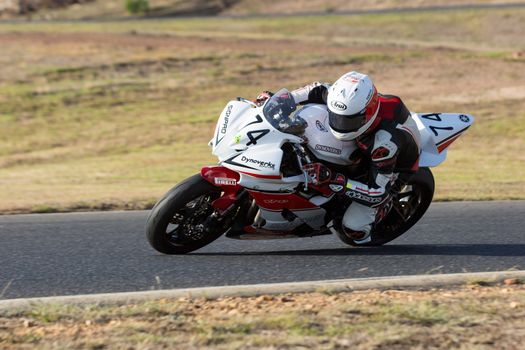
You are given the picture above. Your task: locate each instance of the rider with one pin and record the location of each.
(386, 136)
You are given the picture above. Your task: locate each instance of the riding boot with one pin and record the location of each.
(357, 222)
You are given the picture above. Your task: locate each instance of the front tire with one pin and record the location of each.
(182, 220)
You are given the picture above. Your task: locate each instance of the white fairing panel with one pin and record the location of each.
(274, 220)
(257, 159)
(321, 141)
(438, 131)
(226, 127)
(246, 142)
(263, 160)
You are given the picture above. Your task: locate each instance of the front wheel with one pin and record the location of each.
(184, 219)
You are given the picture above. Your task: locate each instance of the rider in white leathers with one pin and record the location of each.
(386, 135)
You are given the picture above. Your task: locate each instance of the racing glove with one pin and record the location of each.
(337, 183)
(263, 96)
(320, 174)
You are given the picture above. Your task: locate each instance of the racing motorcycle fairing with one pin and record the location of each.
(294, 209)
(267, 183)
(438, 131)
(250, 140)
(279, 212)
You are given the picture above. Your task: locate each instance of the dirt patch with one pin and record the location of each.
(471, 317)
(136, 40)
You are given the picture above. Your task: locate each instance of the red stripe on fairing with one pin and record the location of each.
(280, 201)
(276, 177)
(444, 145)
(368, 191)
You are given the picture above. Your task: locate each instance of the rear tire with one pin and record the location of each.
(408, 208)
(187, 208)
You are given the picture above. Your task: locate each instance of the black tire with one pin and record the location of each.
(407, 210)
(173, 208)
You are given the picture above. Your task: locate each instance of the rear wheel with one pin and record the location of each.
(408, 207)
(184, 219)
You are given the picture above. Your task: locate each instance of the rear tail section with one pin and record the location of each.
(438, 131)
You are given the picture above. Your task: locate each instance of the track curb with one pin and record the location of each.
(343, 285)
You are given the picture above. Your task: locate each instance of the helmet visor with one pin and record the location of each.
(346, 123)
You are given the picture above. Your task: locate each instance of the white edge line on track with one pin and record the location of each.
(343, 285)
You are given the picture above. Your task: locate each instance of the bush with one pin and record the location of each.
(137, 6)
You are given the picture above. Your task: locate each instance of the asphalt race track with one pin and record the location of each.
(60, 254)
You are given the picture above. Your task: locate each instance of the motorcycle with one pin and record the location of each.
(261, 190)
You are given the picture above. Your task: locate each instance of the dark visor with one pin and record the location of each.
(346, 123)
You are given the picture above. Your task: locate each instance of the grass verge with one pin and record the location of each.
(111, 115)
(475, 316)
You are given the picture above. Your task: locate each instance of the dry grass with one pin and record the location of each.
(473, 317)
(110, 115)
(289, 6)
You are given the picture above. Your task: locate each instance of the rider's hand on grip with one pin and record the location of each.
(337, 183)
(318, 173)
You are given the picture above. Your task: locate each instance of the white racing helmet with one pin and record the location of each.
(353, 105)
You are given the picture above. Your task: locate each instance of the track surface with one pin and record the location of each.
(59, 254)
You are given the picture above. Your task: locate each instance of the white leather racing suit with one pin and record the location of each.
(391, 146)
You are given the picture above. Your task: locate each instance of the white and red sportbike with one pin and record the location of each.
(260, 189)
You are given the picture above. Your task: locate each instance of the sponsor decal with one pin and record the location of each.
(226, 119)
(336, 188)
(338, 105)
(464, 118)
(328, 149)
(365, 198)
(259, 163)
(320, 126)
(237, 139)
(225, 181)
(369, 96)
(276, 201)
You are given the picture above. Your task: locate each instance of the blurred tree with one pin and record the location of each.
(27, 6)
(137, 6)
